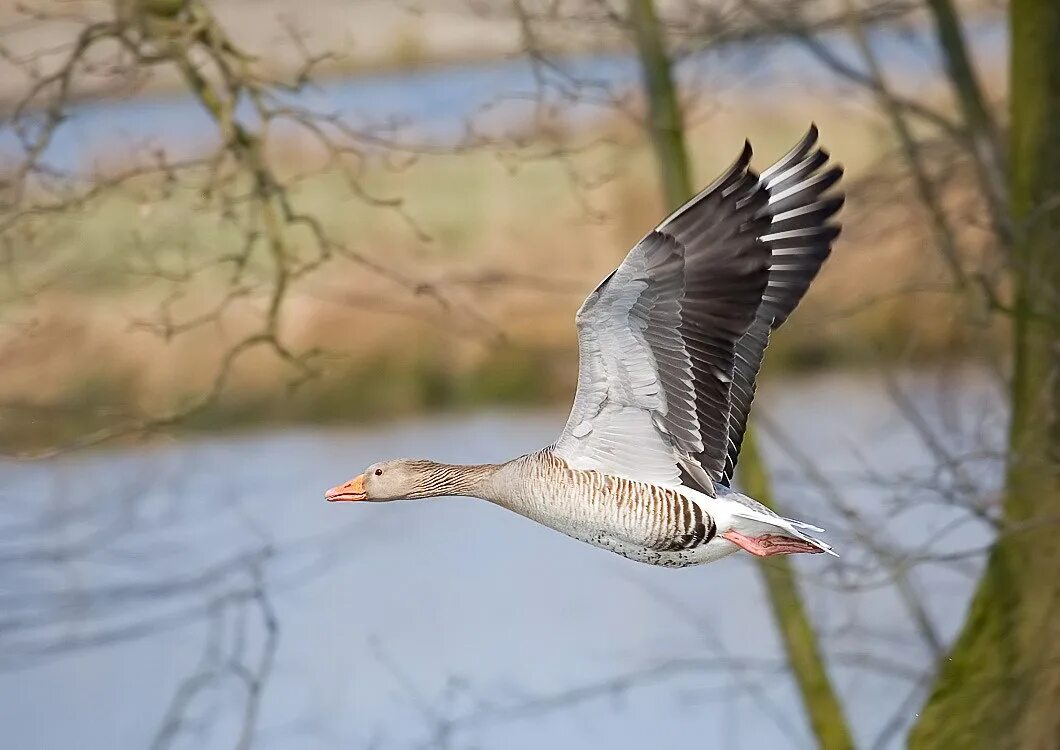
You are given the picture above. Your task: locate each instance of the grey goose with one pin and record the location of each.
(670, 345)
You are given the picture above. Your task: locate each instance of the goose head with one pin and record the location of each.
(406, 479)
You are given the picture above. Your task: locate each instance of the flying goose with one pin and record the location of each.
(670, 344)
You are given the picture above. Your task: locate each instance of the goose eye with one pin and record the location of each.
(379, 472)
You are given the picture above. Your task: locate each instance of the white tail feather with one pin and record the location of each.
(804, 525)
(787, 525)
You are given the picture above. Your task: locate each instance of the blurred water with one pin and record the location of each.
(437, 105)
(397, 618)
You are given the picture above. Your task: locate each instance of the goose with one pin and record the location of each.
(670, 345)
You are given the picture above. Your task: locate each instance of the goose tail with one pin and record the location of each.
(759, 520)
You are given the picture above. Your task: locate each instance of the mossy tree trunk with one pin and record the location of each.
(1000, 687)
(804, 656)
(983, 139)
(819, 698)
(665, 124)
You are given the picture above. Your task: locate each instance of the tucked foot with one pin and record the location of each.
(769, 544)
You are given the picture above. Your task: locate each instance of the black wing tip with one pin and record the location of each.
(804, 144)
(808, 140)
(738, 170)
(831, 177)
(740, 166)
(795, 154)
(734, 175)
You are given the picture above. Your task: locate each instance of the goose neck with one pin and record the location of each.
(465, 480)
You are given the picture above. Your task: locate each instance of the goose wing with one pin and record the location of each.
(657, 339)
(800, 236)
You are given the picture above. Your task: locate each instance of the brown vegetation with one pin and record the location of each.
(516, 247)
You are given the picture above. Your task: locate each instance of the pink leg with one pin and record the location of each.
(769, 544)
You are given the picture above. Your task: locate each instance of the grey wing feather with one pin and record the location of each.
(799, 238)
(657, 339)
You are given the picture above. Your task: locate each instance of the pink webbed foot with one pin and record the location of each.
(769, 544)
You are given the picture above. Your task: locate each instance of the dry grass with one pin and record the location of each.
(514, 246)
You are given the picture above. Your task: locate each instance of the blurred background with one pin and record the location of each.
(248, 247)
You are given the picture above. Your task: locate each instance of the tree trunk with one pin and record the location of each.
(807, 664)
(823, 708)
(665, 125)
(983, 138)
(1001, 686)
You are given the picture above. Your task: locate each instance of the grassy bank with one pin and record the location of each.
(510, 242)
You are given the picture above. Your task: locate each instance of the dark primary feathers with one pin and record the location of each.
(713, 239)
(671, 342)
(800, 238)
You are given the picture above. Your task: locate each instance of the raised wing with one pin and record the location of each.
(657, 339)
(799, 239)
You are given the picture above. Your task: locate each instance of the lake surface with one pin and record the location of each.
(436, 106)
(453, 623)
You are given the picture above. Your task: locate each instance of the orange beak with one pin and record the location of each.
(352, 490)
